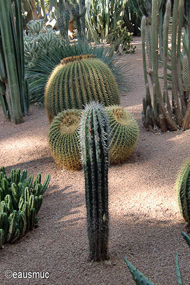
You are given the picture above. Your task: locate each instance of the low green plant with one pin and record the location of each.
(94, 140)
(77, 81)
(141, 279)
(20, 201)
(63, 139)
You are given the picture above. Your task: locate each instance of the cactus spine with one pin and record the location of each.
(63, 139)
(77, 81)
(183, 191)
(124, 133)
(20, 201)
(94, 140)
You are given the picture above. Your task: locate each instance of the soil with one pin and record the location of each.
(145, 223)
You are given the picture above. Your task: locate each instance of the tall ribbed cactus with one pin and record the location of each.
(78, 80)
(94, 140)
(16, 95)
(63, 139)
(124, 133)
(183, 191)
(169, 108)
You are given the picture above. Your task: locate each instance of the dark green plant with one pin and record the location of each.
(38, 74)
(20, 201)
(15, 98)
(63, 139)
(77, 81)
(94, 130)
(124, 133)
(79, 10)
(183, 191)
(141, 279)
(63, 20)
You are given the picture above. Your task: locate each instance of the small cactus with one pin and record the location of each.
(20, 201)
(63, 139)
(94, 130)
(183, 191)
(124, 133)
(78, 80)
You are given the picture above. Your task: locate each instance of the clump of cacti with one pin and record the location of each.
(94, 130)
(78, 80)
(63, 139)
(20, 201)
(183, 191)
(124, 133)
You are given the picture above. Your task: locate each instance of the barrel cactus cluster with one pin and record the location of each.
(75, 82)
(20, 201)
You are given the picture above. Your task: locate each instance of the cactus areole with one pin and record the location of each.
(78, 80)
(94, 131)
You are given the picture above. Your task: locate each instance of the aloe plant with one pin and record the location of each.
(140, 278)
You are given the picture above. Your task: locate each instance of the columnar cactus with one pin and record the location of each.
(63, 139)
(124, 133)
(183, 191)
(20, 201)
(78, 80)
(94, 130)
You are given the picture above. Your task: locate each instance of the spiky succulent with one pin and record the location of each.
(63, 139)
(78, 80)
(124, 133)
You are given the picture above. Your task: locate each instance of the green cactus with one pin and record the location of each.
(94, 130)
(124, 133)
(63, 139)
(20, 201)
(79, 10)
(77, 81)
(183, 191)
(11, 30)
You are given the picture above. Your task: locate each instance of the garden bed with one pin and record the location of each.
(145, 224)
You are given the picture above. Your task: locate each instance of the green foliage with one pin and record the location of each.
(121, 36)
(16, 101)
(94, 130)
(77, 81)
(183, 191)
(124, 133)
(20, 201)
(63, 139)
(102, 17)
